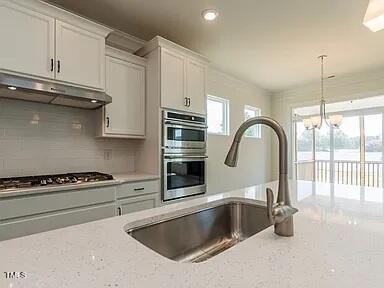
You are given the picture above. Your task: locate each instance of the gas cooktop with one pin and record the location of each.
(56, 179)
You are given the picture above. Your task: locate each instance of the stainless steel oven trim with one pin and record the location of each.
(185, 124)
(183, 144)
(183, 151)
(184, 157)
(183, 192)
(174, 194)
(165, 117)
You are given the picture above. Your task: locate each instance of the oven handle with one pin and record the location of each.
(183, 156)
(182, 124)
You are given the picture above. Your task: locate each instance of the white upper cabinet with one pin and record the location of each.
(172, 80)
(196, 86)
(125, 83)
(79, 56)
(37, 41)
(27, 44)
(182, 74)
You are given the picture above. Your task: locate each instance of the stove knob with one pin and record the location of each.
(59, 181)
(49, 181)
(66, 180)
(73, 179)
(43, 182)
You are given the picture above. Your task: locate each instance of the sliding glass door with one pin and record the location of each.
(352, 154)
(346, 145)
(304, 153)
(373, 157)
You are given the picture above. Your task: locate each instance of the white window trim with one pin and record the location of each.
(258, 113)
(225, 102)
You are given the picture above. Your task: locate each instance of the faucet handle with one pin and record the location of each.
(270, 197)
(278, 213)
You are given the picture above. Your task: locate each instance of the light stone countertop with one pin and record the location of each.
(118, 179)
(134, 177)
(338, 242)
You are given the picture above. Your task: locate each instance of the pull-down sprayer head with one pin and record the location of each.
(233, 155)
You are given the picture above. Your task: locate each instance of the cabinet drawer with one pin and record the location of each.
(49, 202)
(138, 188)
(27, 226)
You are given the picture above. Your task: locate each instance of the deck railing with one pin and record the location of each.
(344, 172)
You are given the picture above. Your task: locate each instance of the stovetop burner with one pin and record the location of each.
(56, 179)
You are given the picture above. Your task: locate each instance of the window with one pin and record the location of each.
(250, 112)
(218, 116)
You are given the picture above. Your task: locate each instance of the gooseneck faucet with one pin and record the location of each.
(281, 213)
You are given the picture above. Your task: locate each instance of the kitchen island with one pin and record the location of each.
(338, 242)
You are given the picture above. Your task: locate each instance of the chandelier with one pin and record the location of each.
(317, 121)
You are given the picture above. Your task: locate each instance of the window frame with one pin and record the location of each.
(257, 111)
(225, 114)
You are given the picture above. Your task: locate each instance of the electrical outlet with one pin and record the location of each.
(107, 154)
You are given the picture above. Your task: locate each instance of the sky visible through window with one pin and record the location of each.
(217, 115)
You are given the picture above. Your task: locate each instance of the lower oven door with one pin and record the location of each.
(183, 176)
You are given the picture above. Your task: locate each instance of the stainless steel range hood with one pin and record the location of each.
(23, 88)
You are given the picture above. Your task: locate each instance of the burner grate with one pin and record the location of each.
(55, 179)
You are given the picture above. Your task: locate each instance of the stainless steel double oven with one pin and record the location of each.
(184, 155)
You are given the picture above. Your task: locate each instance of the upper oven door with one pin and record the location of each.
(184, 135)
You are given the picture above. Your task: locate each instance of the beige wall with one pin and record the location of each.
(254, 161)
(340, 88)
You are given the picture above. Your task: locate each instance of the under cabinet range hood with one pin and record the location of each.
(23, 88)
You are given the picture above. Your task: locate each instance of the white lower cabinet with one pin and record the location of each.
(137, 196)
(35, 213)
(36, 224)
(134, 204)
(29, 214)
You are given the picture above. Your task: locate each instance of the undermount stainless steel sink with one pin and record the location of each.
(202, 234)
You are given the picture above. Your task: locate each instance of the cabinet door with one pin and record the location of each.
(172, 80)
(27, 44)
(126, 85)
(135, 204)
(196, 86)
(80, 56)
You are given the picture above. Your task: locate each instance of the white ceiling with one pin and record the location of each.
(358, 104)
(272, 43)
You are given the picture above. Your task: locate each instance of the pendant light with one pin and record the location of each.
(374, 17)
(317, 121)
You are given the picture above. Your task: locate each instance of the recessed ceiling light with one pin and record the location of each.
(94, 101)
(13, 88)
(209, 14)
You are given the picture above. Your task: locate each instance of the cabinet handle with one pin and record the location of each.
(119, 211)
(139, 189)
(189, 102)
(52, 65)
(185, 101)
(107, 122)
(58, 66)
